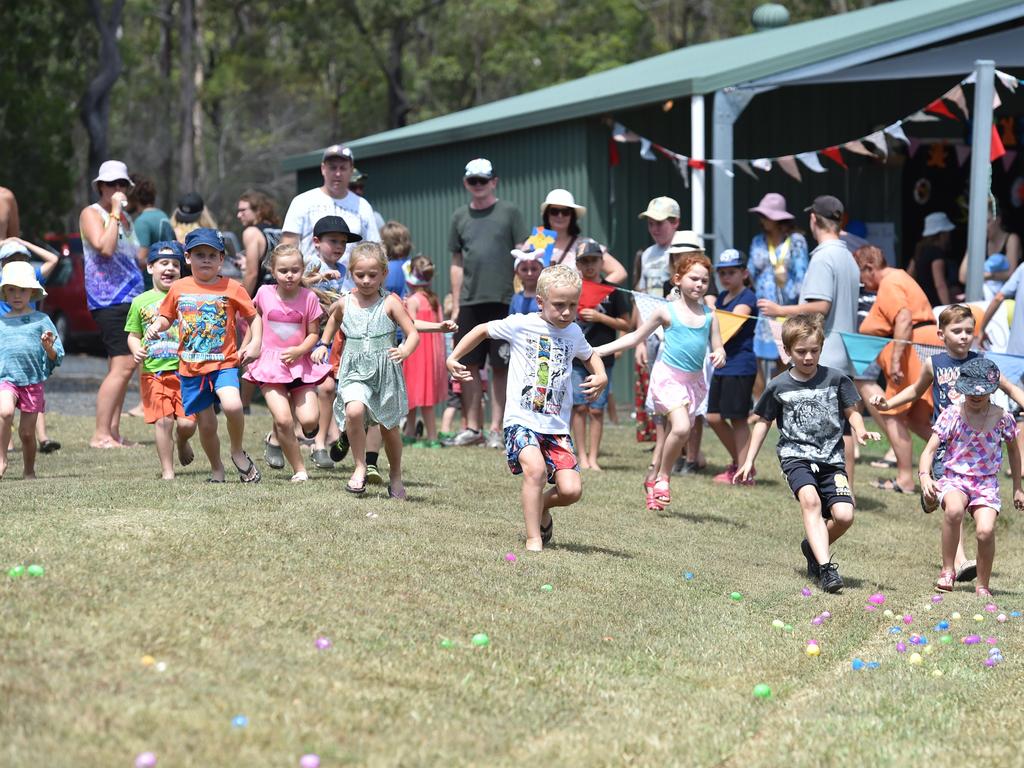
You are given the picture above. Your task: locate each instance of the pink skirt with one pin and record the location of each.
(271, 369)
(673, 388)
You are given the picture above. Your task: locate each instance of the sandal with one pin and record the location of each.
(889, 485)
(300, 477)
(49, 446)
(662, 493)
(272, 454)
(356, 490)
(983, 592)
(547, 531)
(213, 480)
(250, 474)
(968, 571)
(945, 581)
(401, 496)
(652, 505)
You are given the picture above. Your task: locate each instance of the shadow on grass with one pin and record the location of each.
(870, 504)
(849, 582)
(589, 549)
(696, 518)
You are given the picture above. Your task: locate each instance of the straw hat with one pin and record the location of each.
(562, 198)
(686, 241)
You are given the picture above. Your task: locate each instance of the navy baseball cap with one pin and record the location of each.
(204, 236)
(165, 249)
(729, 258)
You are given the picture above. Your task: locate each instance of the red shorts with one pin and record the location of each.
(557, 450)
(161, 396)
(27, 399)
(334, 358)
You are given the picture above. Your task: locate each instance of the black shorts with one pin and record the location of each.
(110, 321)
(497, 350)
(731, 396)
(830, 481)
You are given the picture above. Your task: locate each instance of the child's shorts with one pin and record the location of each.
(28, 398)
(557, 450)
(579, 375)
(830, 481)
(334, 353)
(673, 388)
(731, 396)
(161, 396)
(200, 392)
(981, 491)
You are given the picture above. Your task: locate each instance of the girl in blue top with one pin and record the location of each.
(677, 378)
(30, 351)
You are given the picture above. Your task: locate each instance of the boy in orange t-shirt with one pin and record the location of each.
(206, 306)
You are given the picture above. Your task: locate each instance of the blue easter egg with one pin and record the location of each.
(239, 721)
(688, 576)
(942, 625)
(895, 631)
(857, 664)
(873, 665)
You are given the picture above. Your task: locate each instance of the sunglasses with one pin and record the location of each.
(560, 211)
(120, 184)
(476, 181)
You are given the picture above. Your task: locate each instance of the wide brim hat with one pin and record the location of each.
(773, 206)
(21, 274)
(978, 377)
(936, 223)
(112, 170)
(10, 249)
(413, 277)
(562, 198)
(686, 241)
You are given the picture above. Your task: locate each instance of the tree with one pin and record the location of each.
(94, 108)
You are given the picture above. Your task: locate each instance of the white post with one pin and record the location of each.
(981, 169)
(727, 106)
(698, 153)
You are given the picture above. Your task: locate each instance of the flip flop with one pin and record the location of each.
(882, 464)
(403, 496)
(213, 480)
(889, 485)
(546, 532)
(250, 474)
(49, 446)
(968, 571)
(356, 490)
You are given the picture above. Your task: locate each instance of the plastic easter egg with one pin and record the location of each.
(447, 644)
(35, 570)
(994, 652)
(915, 639)
(927, 650)
(788, 628)
(877, 599)
(16, 572)
(916, 659)
(936, 673)
(895, 630)
(778, 623)
(991, 640)
(990, 662)
(942, 625)
(323, 643)
(546, 588)
(1001, 618)
(936, 599)
(812, 650)
(481, 640)
(826, 615)
(873, 665)
(955, 615)
(762, 691)
(806, 592)
(160, 666)
(239, 721)
(901, 647)
(145, 760)
(972, 640)
(908, 619)
(990, 607)
(816, 621)
(857, 665)
(148, 661)
(1015, 614)
(888, 614)
(946, 639)
(978, 617)
(510, 557)
(735, 596)
(688, 576)
(309, 761)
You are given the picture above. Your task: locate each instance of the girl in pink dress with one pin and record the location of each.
(973, 432)
(426, 378)
(284, 371)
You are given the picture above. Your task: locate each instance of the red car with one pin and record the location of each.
(65, 293)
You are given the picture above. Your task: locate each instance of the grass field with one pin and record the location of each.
(624, 661)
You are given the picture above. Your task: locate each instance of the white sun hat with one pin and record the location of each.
(562, 198)
(937, 222)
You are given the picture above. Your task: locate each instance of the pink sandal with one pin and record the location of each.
(945, 581)
(662, 492)
(652, 504)
(983, 592)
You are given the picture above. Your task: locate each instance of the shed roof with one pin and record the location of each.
(698, 69)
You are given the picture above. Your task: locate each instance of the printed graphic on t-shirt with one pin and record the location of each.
(164, 346)
(812, 420)
(945, 378)
(204, 326)
(546, 380)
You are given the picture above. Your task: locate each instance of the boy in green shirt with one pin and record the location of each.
(161, 390)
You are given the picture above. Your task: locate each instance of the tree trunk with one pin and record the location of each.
(187, 105)
(94, 108)
(166, 163)
(398, 103)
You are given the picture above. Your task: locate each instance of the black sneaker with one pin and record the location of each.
(339, 450)
(812, 563)
(831, 581)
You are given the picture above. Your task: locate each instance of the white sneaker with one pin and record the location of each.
(465, 437)
(495, 440)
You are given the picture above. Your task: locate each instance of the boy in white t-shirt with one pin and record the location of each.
(539, 395)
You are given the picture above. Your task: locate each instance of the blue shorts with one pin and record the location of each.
(200, 392)
(579, 374)
(557, 450)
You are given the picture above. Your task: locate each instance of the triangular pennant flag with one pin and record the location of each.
(878, 139)
(996, 101)
(862, 350)
(938, 107)
(920, 117)
(762, 164)
(833, 153)
(962, 153)
(788, 164)
(956, 95)
(593, 294)
(744, 166)
(998, 150)
(684, 169)
(896, 131)
(858, 148)
(1011, 366)
(810, 159)
(645, 149)
(729, 323)
(697, 165)
(663, 151)
(776, 328)
(1009, 81)
(723, 167)
(646, 304)
(613, 153)
(915, 144)
(1008, 158)
(623, 135)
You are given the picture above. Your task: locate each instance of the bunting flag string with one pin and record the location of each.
(729, 323)
(874, 144)
(862, 350)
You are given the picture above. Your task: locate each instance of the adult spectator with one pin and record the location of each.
(1004, 252)
(151, 224)
(482, 236)
(10, 226)
(831, 287)
(357, 184)
(397, 242)
(112, 279)
(191, 213)
(902, 312)
(777, 264)
(260, 234)
(561, 214)
(932, 266)
(333, 198)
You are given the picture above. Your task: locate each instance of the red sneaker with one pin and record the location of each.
(725, 478)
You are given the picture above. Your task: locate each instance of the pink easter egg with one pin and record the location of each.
(877, 599)
(309, 761)
(908, 619)
(806, 592)
(991, 607)
(323, 643)
(510, 557)
(816, 621)
(936, 599)
(145, 760)
(901, 647)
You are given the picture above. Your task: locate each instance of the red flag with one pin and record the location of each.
(700, 165)
(998, 150)
(593, 294)
(939, 107)
(832, 153)
(613, 153)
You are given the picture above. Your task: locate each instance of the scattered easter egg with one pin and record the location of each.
(323, 643)
(946, 639)
(928, 607)
(955, 615)
(1001, 618)
(888, 614)
(510, 557)
(826, 615)
(446, 644)
(762, 691)
(546, 588)
(991, 640)
(812, 650)
(942, 625)
(812, 641)
(688, 576)
(908, 619)
(873, 665)
(895, 630)
(936, 599)
(901, 647)
(877, 599)
(994, 652)
(927, 650)
(778, 623)
(916, 659)
(35, 570)
(788, 628)
(806, 591)
(481, 640)
(148, 661)
(870, 608)
(936, 673)
(1015, 614)
(990, 662)
(857, 665)
(991, 607)
(145, 760)
(735, 596)
(915, 639)
(16, 572)
(978, 617)
(817, 620)
(239, 721)
(972, 640)
(160, 666)
(309, 761)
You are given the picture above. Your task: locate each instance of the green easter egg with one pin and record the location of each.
(36, 570)
(481, 640)
(446, 644)
(945, 639)
(547, 588)
(736, 596)
(16, 572)
(762, 691)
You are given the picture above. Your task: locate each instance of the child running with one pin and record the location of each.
(205, 306)
(285, 373)
(30, 351)
(371, 389)
(940, 372)
(161, 389)
(677, 377)
(971, 433)
(539, 395)
(810, 402)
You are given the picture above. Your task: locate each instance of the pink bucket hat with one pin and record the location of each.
(773, 206)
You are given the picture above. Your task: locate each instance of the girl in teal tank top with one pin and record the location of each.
(677, 378)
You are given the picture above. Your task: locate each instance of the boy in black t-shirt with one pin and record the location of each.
(608, 313)
(810, 404)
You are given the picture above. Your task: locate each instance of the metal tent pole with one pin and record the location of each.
(697, 152)
(981, 170)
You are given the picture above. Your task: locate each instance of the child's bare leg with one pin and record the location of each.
(410, 423)
(579, 433)
(596, 432)
(676, 434)
(325, 397)
(954, 505)
(814, 524)
(393, 448)
(231, 406)
(306, 408)
(840, 522)
(613, 410)
(354, 414)
(446, 419)
(27, 433)
(659, 450)
(186, 428)
(725, 435)
(206, 421)
(741, 439)
(693, 441)
(961, 555)
(472, 399)
(429, 422)
(7, 405)
(280, 406)
(164, 428)
(41, 435)
(985, 530)
(567, 490)
(535, 475)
